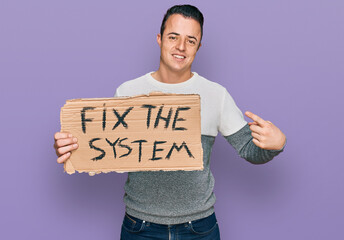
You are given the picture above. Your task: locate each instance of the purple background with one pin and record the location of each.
(280, 59)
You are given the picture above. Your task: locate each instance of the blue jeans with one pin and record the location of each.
(201, 229)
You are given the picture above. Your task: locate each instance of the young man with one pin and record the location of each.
(179, 204)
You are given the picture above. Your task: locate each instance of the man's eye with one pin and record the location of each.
(192, 42)
(172, 37)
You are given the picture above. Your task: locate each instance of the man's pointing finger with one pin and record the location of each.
(255, 118)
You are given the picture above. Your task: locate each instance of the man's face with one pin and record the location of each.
(179, 43)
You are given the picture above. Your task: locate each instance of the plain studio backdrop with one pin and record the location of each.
(282, 60)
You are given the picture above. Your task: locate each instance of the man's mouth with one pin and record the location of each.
(178, 56)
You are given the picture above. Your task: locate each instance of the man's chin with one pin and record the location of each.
(177, 68)
(180, 69)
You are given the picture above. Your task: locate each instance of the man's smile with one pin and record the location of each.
(178, 56)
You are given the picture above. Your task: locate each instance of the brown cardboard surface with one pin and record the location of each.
(141, 133)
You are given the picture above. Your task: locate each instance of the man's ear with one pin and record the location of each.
(158, 39)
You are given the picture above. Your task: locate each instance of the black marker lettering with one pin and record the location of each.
(179, 119)
(178, 149)
(140, 147)
(96, 148)
(166, 119)
(149, 113)
(157, 150)
(113, 145)
(104, 117)
(120, 119)
(124, 146)
(83, 119)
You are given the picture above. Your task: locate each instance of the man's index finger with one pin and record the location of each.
(255, 118)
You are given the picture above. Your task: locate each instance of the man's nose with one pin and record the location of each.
(181, 44)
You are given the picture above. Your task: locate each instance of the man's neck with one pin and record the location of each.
(171, 77)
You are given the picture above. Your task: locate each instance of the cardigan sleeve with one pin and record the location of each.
(242, 142)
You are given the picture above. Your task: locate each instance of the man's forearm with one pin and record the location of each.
(242, 142)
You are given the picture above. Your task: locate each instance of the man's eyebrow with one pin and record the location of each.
(174, 33)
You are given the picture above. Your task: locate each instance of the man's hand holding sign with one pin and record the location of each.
(265, 134)
(64, 144)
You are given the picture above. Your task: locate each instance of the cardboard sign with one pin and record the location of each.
(147, 132)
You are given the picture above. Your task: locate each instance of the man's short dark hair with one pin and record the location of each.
(187, 11)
